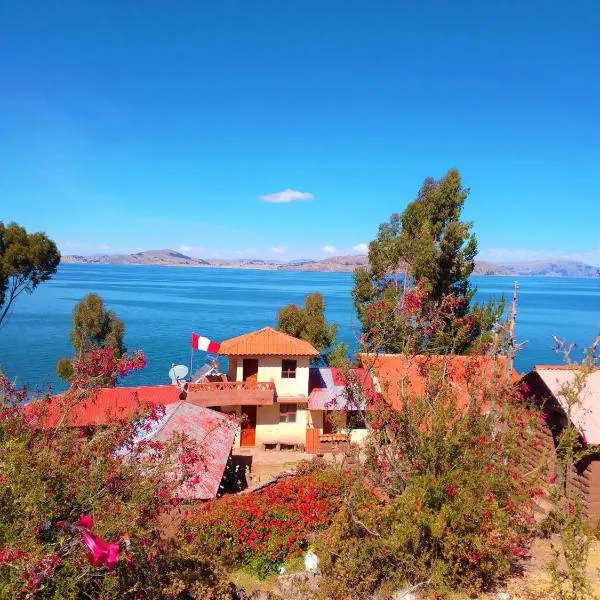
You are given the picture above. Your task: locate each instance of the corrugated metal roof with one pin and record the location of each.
(213, 431)
(267, 342)
(103, 405)
(586, 415)
(329, 389)
(464, 372)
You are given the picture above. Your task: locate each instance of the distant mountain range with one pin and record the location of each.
(540, 268)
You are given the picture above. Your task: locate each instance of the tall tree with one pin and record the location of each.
(93, 328)
(421, 258)
(308, 323)
(26, 260)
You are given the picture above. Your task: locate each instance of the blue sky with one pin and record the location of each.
(137, 125)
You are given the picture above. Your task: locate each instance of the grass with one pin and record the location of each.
(250, 583)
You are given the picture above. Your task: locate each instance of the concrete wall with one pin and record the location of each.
(269, 369)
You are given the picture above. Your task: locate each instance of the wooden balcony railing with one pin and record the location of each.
(222, 386)
(231, 393)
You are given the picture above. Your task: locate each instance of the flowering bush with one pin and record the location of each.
(83, 510)
(459, 503)
(261, 530)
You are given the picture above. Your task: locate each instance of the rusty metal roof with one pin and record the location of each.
(213, 431)
(267, 342)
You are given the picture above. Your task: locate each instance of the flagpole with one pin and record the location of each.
(191, 362)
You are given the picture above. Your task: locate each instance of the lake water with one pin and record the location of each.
(162, 306)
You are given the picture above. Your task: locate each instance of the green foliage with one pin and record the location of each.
(429, 248)
(568, 580)
(53, 474)
(93, 327)
(567, 568)
(26, 260)
(309, 323)
(457, 509)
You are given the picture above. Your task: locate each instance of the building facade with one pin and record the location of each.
(280, 399)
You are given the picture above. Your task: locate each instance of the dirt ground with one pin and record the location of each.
(532, 585)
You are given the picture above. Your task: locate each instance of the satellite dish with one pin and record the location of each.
(178, 372)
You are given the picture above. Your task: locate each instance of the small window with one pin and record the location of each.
(356, 419)
(287, 413)
(288, 369)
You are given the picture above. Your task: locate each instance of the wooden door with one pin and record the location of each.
(248, 435)
(250, 371)
(327, 426)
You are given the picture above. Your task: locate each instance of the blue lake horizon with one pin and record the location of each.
(161, 307)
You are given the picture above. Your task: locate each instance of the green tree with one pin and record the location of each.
(93, 327)
(308, 323)
(420, 259)
(26, 260)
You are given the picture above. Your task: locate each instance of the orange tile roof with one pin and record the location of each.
(464, 372)
(267, 342)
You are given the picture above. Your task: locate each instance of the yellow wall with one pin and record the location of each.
(270, 431)
(268, 428)
(269, 369)
(317, 417)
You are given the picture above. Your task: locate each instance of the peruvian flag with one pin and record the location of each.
(203, 343)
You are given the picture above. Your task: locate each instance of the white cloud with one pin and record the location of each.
(191, 249)
(287, 195)
(361, 248)
(278, 249)
(329, 249)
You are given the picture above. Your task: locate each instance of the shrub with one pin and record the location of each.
(459, 513)
(260, 530)
(53, 479)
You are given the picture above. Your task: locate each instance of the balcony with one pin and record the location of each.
(231, 393)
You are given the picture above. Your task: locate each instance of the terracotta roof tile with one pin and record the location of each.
(267, 342)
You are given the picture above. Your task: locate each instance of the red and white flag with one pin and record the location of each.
(203, 343)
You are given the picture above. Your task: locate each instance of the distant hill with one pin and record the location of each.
(556, 268)
(148, 257)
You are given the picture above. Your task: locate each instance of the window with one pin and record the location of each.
(356, 419)
(287, 413)
(288, 369)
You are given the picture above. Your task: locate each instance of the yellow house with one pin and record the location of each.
(272, 388)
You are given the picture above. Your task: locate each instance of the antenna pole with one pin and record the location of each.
(511, 333)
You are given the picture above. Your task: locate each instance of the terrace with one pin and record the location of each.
(231, 393)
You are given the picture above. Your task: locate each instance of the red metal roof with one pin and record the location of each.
(267, 342)
(106, 404)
